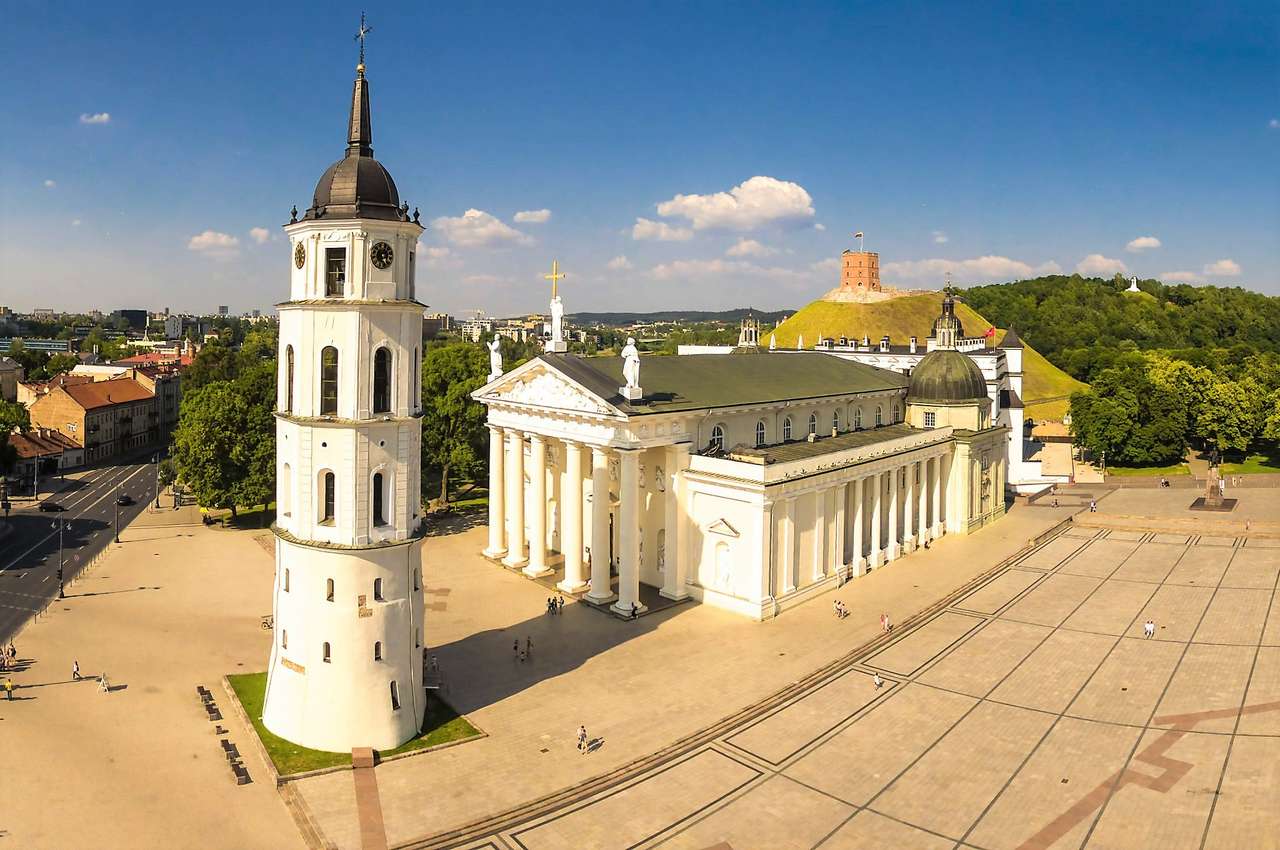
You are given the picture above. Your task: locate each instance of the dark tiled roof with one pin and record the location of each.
(1011, 340)
(947, 376)
(105, 393)
(697, 381)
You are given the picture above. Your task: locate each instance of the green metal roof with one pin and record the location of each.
(699, 381)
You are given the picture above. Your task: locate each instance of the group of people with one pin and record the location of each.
(555, 604)
(841, 610)
(1149, 629)
(526, 653)
(8, 656)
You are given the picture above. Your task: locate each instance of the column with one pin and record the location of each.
(892, 548)
(788, 533)
(515, 501)
(858, 501)
(936, 531)
(876, 558)
(497, 490)
(768, 564)
(629, 534)
(922, 492)
(538, 507)
(908, 508)
(673, 565)
(842, 499)
(571, 517)
(601, 582)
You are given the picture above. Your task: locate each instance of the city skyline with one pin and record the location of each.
(669, 157)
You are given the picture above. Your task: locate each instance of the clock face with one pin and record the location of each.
(299, 255)
(382, 255)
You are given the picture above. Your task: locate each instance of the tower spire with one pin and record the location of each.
(360, 127)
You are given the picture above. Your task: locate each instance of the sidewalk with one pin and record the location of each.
(638, 685)
(172, 606)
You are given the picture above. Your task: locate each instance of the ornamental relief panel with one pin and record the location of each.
(546, 390)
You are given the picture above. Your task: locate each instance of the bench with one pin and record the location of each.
(242, 775)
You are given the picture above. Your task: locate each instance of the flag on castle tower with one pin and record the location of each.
(991, 331)
(858, 235)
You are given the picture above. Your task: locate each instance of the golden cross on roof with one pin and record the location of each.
(554, 277)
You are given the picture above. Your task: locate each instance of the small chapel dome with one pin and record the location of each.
(948, 377)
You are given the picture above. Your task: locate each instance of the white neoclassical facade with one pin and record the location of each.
(346, 664)
(744, 481)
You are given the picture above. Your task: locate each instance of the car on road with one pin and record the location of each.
(51, 507)
(124, 499)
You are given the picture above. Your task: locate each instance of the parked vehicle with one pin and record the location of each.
(51, 507)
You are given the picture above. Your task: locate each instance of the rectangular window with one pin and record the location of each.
(335, 271)
(329, 381)
(930, 419)
(379, 515)
(330, 488)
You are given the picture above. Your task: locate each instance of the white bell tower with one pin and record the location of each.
(346, 665)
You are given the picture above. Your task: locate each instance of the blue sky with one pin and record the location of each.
(700, 155)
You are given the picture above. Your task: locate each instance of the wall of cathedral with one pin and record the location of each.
(852, 413)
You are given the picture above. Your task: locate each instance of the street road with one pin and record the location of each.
(29, 556)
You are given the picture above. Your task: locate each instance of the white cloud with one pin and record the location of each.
(1096, 265)
(484, 279)
(95, 117)
(940, 238)
(212, 243)
(260, 235)
(659, 231)
(49, 184)
(1274, 123)
(75, 222)
(678, 269)
(973, 270)
(830, 264)
(438, 257)
(754, 203)
(532, 216)
(477, 229)
(619, 263)
(1179, 277)
(1142, 243)
(819, 226)
(750, 248)
(1223, 268)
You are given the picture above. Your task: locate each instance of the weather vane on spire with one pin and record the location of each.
(361, 35)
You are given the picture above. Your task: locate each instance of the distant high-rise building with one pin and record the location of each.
(137, 319)
(224, 310)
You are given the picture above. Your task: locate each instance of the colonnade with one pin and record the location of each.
(586, 550)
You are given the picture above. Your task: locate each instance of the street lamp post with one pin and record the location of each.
(155, 459)
(117, 513)
(60, 525)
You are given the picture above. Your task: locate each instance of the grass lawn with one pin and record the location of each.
(1253, 463)
(440, 725)
(1175, 469)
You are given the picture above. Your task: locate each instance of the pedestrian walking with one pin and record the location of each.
(528, 646)
(560, 603)
(13, 652)
(1093, 506)
(515, 648)
(1149, 629)
(884, 622)
(888, 623)
(103, 685)
(877, 681)
(582, 739)
(1055, 501)
(836, 606)
(635, 611)
(75, 671)
(8, 687)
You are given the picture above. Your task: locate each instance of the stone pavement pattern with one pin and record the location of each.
(172, 606)
(1029, 714)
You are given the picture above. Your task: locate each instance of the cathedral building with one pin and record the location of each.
(747, 481)
(346, 665)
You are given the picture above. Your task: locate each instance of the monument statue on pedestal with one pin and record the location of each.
(495, 357)
(631, 371)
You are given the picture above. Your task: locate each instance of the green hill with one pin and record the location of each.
(1045, 387)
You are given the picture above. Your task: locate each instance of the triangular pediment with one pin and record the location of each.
(722, 526)
(537, 385)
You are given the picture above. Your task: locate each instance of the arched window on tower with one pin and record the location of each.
(786, 430)
(417, 380)
(760, 433)
(328, 656)
(286, 490)
(395, 697)
(382, 380)
(377, 650)
(288, 379)
(813, 423)
(379, 508)
(328, 590)
(328, 496)
(377, 590)
(328, 381)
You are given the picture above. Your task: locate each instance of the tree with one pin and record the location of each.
(13, 417)
(453, 429)
(1134, 420)
(60, 363)
(1230, 415)
(224, 446)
